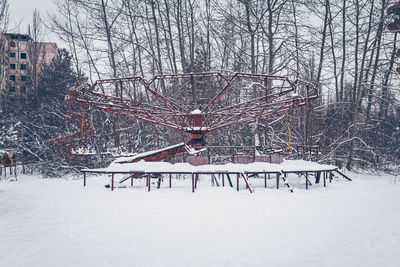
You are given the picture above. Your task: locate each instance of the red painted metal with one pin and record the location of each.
(161, 108)
(245, 178)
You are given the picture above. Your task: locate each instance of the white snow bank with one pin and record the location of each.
(57, 222)
(256, 167)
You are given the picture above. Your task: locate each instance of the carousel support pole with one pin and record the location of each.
(223, 180)
(112, 182)
(84, 178)
(265, 180)
(170, 180)
(192, 183)
(131, 181)
(148, 183)
(277, 180)
(306, 180)
(195, 180)
(325, 179)
(237, 182)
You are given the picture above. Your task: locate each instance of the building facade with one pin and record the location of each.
(21, 59)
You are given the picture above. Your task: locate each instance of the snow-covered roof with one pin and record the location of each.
(197, 128)
(145, 154)
(256, 167)
(196, 111)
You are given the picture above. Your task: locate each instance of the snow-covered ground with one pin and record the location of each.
(58, 222)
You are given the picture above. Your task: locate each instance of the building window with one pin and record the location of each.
(14, 37)
(22, 89)
(23, 66)
(24, 37)
(12, 66)
(12, 54)
(23, 55)
(12, 88)
(23, 78)
(12, 77)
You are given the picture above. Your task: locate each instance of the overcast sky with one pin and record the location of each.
(21, 15)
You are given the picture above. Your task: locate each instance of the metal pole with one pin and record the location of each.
(324, 179)
(306, 180)
(237, 182)
(84, 178)
(223, 180)
(196, 179)
(192, 183)
(112, 182)
(265, 180)
(170, 180)
(148, 183)
(131, 181)
(277, 180)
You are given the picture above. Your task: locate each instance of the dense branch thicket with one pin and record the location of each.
(342, 46)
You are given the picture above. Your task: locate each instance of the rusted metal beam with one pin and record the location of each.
(342, 174)
(166, 111)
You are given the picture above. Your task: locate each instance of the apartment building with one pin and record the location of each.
(19, 55)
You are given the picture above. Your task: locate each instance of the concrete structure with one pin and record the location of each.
(20, 59)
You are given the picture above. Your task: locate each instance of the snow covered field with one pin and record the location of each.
(58, 222)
